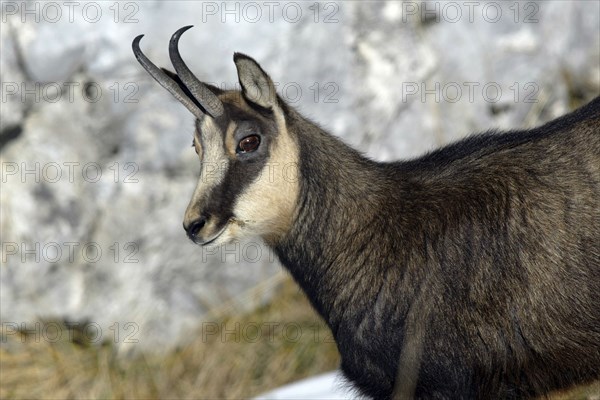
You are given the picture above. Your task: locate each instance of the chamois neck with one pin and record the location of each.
(337, 223)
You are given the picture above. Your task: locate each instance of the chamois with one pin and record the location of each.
(470, 272)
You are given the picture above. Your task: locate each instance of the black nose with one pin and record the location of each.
(195, 226)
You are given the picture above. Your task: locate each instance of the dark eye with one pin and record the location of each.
(249, 144)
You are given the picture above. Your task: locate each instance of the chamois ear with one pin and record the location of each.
(257, 86)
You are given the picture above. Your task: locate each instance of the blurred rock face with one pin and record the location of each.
(96, 164)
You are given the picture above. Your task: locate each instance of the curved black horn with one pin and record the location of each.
(199, 90)
(164, 79)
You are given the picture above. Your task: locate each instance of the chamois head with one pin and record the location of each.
(245, 150)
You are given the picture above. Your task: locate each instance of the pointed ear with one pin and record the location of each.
(257, 86)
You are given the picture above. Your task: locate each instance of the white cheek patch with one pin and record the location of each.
(266, 207)
(214, 166)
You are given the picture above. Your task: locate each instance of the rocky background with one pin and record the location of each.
(97, 167)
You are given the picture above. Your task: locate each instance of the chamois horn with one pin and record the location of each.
(194, 95)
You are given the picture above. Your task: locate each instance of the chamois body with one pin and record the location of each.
(470, 272)
(485, 255)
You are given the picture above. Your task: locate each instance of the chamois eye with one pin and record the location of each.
(248, 144)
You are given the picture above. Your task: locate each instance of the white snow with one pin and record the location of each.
(328, 386)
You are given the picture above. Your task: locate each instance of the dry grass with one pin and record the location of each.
(234, 362)
(225, 363)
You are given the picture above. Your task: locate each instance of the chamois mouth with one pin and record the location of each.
(215, 237)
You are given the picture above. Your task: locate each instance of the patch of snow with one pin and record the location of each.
(329, 386)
